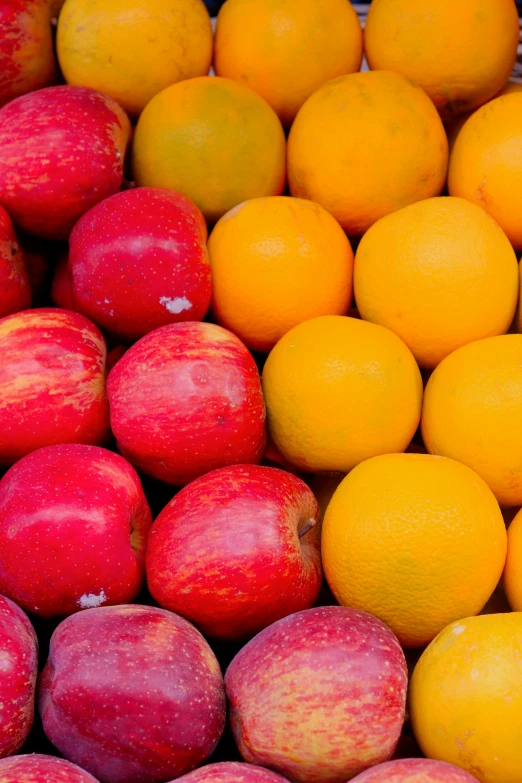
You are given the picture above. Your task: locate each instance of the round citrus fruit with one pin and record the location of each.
(365, 145)
(466, 697)
(454, 124)
(213, 140)
(513, 569)
(440, 274)
(130, 49)
(473, 412)
(486, 162)
(275, 263)
(287, 50)
(460, 53)
(339, 390)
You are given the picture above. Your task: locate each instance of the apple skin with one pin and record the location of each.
(18, 673)
(37, 768)
(225, 553)
(415, 771)
(139, 261)
(231, 772)
(27, 60)
(63, 151)
(15, 291)
(61, 287)
(73, 529)
(133, 694)
(52, 382)
(319, 695)
(186, 399)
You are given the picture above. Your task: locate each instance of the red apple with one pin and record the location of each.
(18, 671)
(61, 288)
(52, 382)
(225, 552)
(63, 151)
(319, 695)
(37, 768)
(415, 771)
(186, 399)
(15, 292)
(27, 60)
(132, 693)
(73, 528)
(139, 260)
(231, 772)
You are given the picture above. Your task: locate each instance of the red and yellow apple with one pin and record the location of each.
(231, 772)
(186, 399)
(132, 693)
(415, 771)
(319, 695)
(226, 554)
(15, 291)
(37, 768)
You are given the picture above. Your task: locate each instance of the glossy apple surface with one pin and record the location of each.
(225, 552)
(52, 382)
(15, 291)
(73, 528)
(415, 771)
(319, 695)
(37, 768)
(139, 261)
(186, 399)
(63, 151)
(231, 772)
(132, 693)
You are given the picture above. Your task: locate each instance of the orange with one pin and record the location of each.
(130, 49)
(461, 52)
(473, 412)
(440, 274)
(213, 140)
(486, 163)
(339, 390)
(365, 145)
(416, 540)
(275, 263)
(466, 697)
(513, 569)
(286, 49)
(454, 125)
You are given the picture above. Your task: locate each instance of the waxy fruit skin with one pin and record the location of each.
(231, 772)
(37, 768)
(133, 694)
(186, 399)
(415, 771)
(139, 261)
(52, 382)
(15, 291)
(18, 672)
(319, 695)
(63, 150)
(73, 529)
(225, 552)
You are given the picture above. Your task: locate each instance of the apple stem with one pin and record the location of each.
(308, 526)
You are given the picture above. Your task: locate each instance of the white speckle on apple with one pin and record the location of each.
(176, 305)
(6, 662)
(91, 600)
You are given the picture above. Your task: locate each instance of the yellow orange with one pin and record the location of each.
(339, 390)
(460, 53)
(213, 140)
(440, 274)
(454, 124)
(466, 697)
(275, 263)
(486, 163)
(132, 50)
(286, 50)
(513, 569)
(365, 145)
(473, 412)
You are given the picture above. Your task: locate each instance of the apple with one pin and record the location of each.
(73, 529)
(27, 60)
(63, 151)
(52, 382)
(226, 554)
(319, 695)
(18, 672)
(61, 287)
(186, 399)
(132, 693)
(139, 261)
(37, 768)
(231, 772)
(415, 771)
(15, 291)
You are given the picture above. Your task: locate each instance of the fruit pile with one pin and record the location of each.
(260, 392)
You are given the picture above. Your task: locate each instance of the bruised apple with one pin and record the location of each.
(37, 768)
(15, 291)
